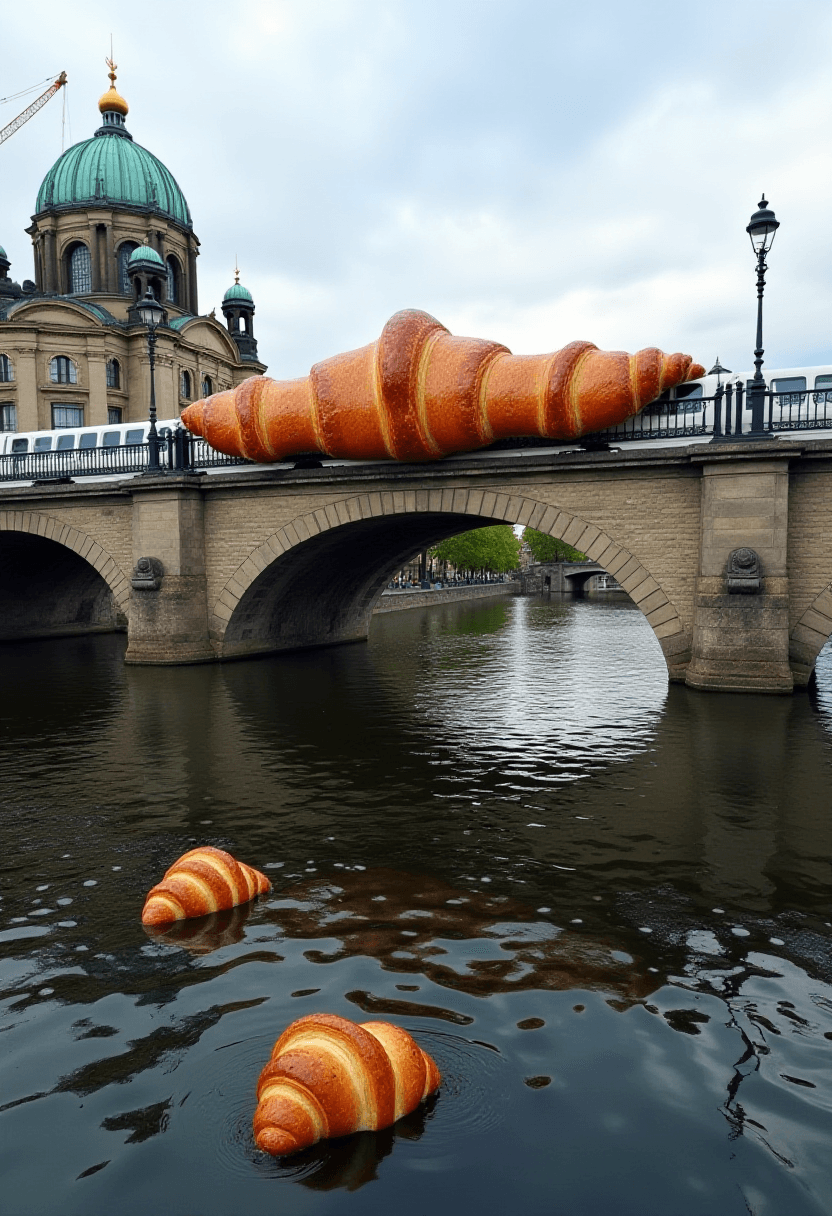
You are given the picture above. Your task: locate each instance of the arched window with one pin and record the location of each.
(207, 386)
(172, 280)
(6, 370)
(113, 373)
(80, 270)
(62, 370)
(185, 385)
(124, 252)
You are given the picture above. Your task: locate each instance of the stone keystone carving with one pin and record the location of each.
(147, 574)
(744, 574)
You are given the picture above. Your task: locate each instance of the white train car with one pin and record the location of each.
(67, 439)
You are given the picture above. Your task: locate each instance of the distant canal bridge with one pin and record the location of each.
(725, 548)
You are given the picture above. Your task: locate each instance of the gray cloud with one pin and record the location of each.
(529, 171)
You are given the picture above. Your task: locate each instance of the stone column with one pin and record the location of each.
(95, 260)
(168, 617)
(741, 638)
(97, 372)
(26, 374)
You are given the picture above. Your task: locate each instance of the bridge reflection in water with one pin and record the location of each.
(599, 902)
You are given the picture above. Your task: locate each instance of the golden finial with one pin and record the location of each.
(112, 100)
(236, 272)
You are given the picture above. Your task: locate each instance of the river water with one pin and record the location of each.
(601, 903)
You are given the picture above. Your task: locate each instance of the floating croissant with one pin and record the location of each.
(330, 1077)
(202, 881)
(419, 393)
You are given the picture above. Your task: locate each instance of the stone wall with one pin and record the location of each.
(395, 601)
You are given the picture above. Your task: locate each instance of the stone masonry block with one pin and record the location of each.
(599, 545)
(474, 506)
(459, 501)
(662, 614)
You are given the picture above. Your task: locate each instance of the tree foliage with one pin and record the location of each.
(547, 548)
(495, 549)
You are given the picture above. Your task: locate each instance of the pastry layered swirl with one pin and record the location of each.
(419, 393)
(330, 1077)
(202, 881)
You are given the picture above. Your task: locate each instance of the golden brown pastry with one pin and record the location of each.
(330, 1077)
(419, 393)
(201, 881)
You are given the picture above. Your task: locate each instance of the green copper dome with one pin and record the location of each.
(145, 253)
(3, 253)
(110, 169)
(238, 292)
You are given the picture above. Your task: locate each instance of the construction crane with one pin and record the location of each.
(36, 105)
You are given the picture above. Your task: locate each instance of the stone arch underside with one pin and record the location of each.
(55, 580)
(316, 580)
(810, 635)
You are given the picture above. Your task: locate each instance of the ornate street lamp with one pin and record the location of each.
(761, 230)
(151, 313)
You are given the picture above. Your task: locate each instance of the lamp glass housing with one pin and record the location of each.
(150, 310)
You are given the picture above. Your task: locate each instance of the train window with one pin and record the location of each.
(88, 440)
(790, 384)
(111, 439)
(64, 442)
(823, 381)
(20, 445)
(688, 390)
(67, 415)
(43, 443)
(136, 436)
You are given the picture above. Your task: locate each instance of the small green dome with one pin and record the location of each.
(110, 169)
(3, 253)
(145, 253)
(237, 292)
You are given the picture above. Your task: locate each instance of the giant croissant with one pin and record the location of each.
(202, 881)
(419, 393)
(330, 1077)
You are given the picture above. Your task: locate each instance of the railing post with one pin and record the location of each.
(738, 424)
(718, 412)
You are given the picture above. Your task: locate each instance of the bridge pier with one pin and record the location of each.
(168, 616)
(741, 636)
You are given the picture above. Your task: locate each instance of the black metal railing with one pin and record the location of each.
(724, 416)
(179, 452)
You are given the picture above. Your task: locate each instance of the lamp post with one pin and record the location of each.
(151, 313)
(761, 230)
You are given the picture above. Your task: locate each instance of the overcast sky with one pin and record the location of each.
(530, 171)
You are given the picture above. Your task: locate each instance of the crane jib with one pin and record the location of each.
(32, 109)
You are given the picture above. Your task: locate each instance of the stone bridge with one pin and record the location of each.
(266, 559)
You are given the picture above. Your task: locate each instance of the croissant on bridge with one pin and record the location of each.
(202, 881)
(330, 1077)
(419, 393)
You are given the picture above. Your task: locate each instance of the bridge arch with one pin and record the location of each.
(809, 636)
(56, 579)
(316, 579)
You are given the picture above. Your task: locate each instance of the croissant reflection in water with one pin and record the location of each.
(419, 393)
(330, 1077)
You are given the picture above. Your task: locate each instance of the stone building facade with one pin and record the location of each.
(110, 222)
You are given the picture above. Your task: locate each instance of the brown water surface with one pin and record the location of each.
(603, 905)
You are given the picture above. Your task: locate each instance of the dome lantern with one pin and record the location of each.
(238, 309)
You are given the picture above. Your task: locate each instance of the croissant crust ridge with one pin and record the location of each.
(419, 393)
(329, 1077)
(202, 880)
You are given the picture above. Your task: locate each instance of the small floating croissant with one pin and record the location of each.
(419, 393)
(202, 881)
(330, 1077)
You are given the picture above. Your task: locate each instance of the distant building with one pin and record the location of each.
(110, 222)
